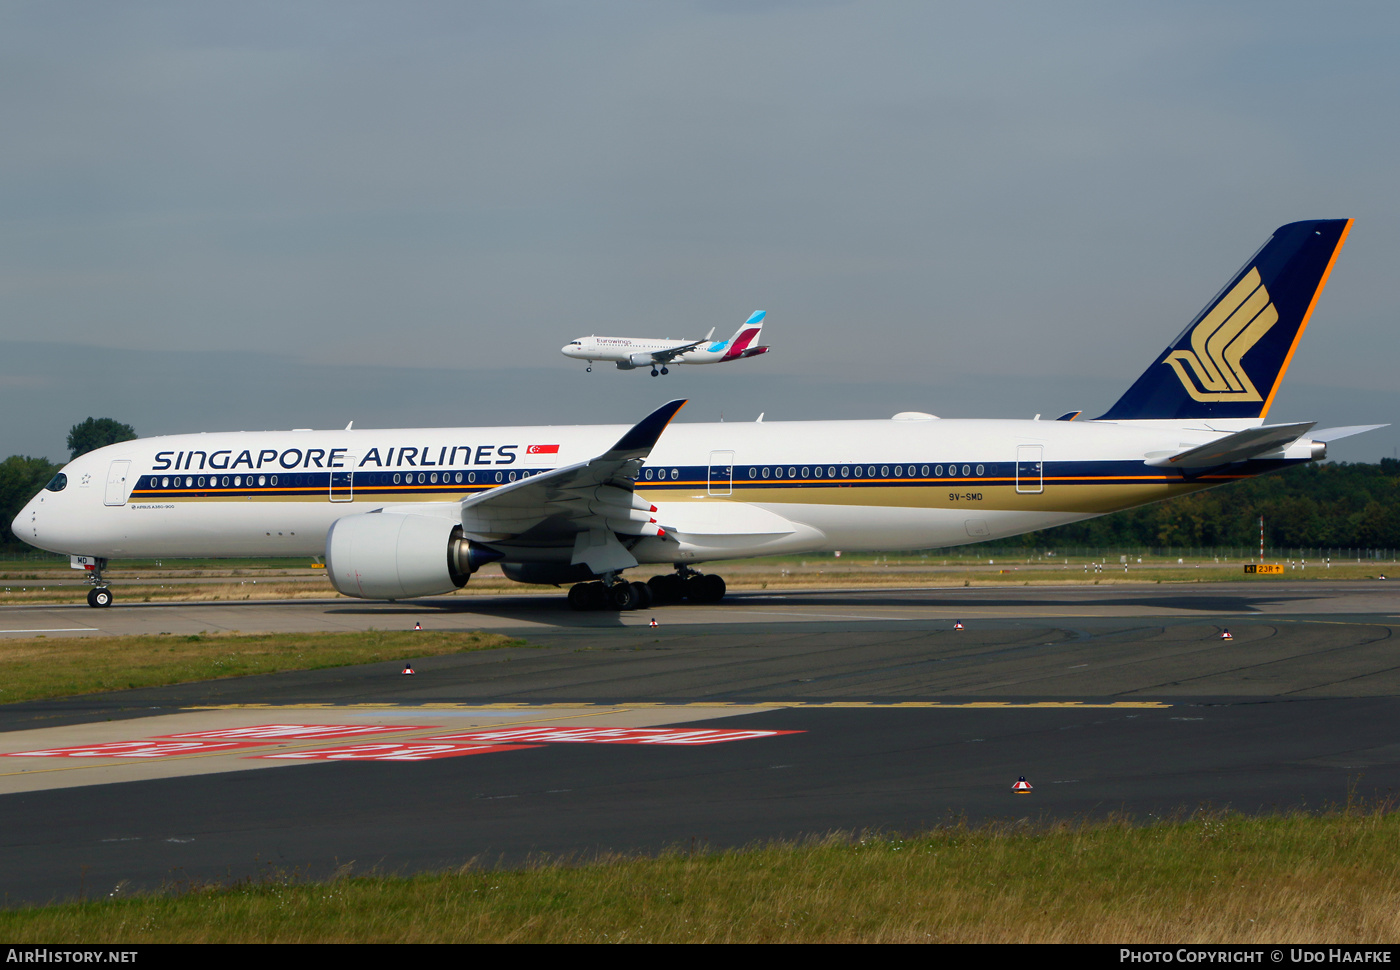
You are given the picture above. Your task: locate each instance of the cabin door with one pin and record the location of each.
(343, 480)
(1030, 473)
(117, 487)
(721, 473)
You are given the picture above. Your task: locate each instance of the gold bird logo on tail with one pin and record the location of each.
(1221, 340)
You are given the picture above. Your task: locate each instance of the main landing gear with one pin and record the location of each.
(100, 595)
(616, 594)
(663, 370)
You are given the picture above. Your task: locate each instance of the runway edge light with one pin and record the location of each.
(1225, 635)
(1022, 787)
(408, 668)
(957, 624)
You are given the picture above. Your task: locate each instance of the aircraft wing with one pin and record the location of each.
(1240, 446)
(586, 504)
(666, 356)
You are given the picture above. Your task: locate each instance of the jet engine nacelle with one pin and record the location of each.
(640, 360)
(389, 555)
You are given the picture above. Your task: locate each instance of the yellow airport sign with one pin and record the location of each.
(1263, 569)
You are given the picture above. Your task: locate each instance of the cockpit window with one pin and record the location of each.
(58, 483)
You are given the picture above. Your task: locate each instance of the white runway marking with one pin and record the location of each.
(58, 629)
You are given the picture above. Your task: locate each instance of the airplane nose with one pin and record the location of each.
(25, 525)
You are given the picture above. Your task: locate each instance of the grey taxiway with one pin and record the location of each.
(1108, 699)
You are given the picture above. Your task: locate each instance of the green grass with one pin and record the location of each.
(39, 667)
(1222, 878)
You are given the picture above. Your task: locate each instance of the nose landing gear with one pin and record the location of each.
(100, 595)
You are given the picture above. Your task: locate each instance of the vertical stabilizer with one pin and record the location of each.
(1229, 360)
(744, 343)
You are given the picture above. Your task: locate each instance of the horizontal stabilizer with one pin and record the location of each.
(1333, 434)
(1240, 446)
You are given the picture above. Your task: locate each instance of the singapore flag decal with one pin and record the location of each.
(542, 450)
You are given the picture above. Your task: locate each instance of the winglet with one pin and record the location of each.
(638, 442)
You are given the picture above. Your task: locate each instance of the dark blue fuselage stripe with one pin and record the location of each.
(365, 484)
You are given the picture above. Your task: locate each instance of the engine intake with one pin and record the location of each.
(390, 555)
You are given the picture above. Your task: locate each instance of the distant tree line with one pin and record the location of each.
(1334, 505)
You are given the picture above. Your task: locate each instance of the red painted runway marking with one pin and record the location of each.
(136, 749)
(396, 751)
(299, 732)
(592, 735)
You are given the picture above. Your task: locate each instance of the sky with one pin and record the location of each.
(277, 215)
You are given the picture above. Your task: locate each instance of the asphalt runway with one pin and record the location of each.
(1108, 699)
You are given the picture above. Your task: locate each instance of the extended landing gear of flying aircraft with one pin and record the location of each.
(663, 370)
(589, 369)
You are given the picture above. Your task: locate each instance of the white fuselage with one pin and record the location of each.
(638, 351)
(721, 490)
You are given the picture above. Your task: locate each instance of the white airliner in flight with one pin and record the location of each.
(415, 512)
(630, 353)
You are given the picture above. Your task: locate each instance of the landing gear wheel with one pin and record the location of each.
(665, 371)
(654, 372)
(99, 596)
(578, 597)
(589, 369)
(588, 596)
(621, 596)
(644, 597)
(704, 589)
(666, 589)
